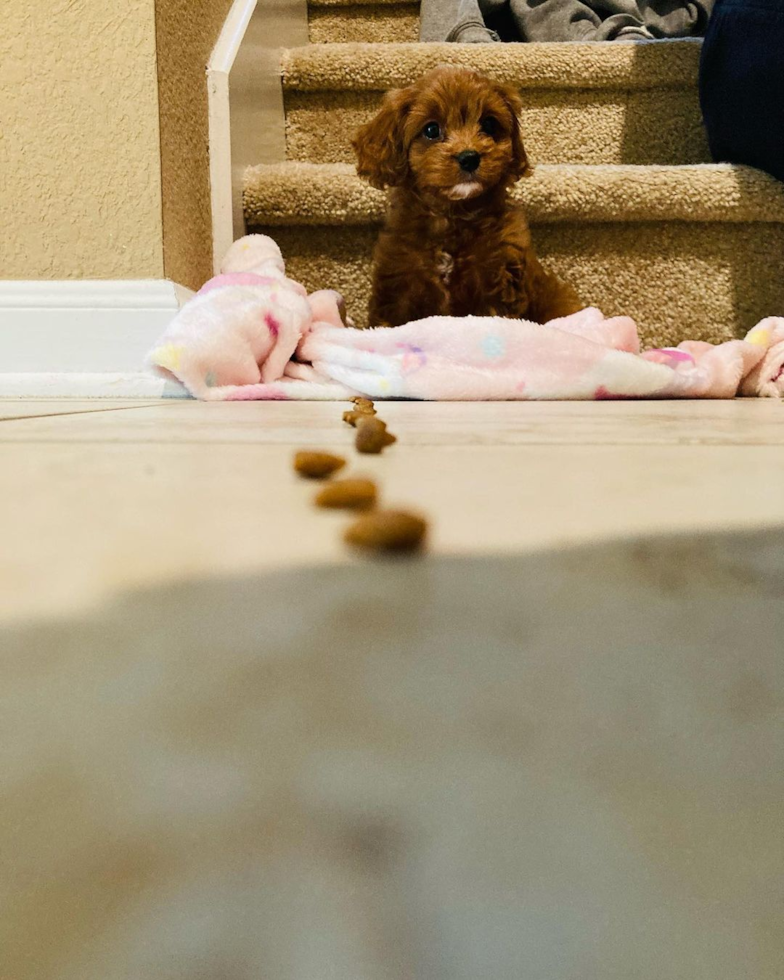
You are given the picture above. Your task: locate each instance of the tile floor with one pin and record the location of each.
(230, 749)
(98, 496)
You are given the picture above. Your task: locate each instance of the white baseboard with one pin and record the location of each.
(57, 329)
(140, 384)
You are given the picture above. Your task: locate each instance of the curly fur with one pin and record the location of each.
(453, 242)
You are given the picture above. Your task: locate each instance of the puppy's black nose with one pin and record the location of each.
(468, 160)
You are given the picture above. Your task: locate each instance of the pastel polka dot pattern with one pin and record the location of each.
(169, 357)
(670, 356)
(493, 347)
(759, 336)
(414, 358)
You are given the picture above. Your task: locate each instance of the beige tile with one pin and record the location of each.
(738, 422)
(25, 408)
(96, 503)
(514, 758)
(79, 521)
(564, 766)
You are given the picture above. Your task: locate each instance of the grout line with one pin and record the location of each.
(687, 443)
(82, 411)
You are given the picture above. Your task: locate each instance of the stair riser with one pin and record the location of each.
(653, 272)
(643, 126)
(364, 23)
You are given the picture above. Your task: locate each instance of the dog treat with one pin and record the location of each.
(348, 494)
(372, 435)
(353, 416)
(317, 466)
(363, 408)
(387, 530)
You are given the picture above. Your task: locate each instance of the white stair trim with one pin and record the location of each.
(245, 98)
(81, 327)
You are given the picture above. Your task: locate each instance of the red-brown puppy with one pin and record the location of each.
(454, 243)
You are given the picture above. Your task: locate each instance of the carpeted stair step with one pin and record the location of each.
(583, 103)
(694, 251)
(364, 21)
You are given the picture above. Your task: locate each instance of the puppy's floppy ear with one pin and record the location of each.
(381, 153)
(520, 165)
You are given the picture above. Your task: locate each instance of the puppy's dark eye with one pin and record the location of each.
(489, 125)
(432, 131)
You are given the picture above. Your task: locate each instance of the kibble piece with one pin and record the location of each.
(317, 466)
(372, 435)
(349, 494)
(360, 412)
(353, 416)
(387, 530)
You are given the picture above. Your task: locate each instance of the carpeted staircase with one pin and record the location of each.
(623, 201)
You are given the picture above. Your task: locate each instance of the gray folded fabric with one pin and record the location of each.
(470, 27)
(439, 20)
(482, 21)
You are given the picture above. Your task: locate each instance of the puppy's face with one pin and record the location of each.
(453, 134)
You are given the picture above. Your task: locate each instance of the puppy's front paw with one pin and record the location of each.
(445, 266)
(512, 284)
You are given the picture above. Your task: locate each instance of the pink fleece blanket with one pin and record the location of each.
(583, 356)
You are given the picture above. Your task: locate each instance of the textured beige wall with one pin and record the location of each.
(187, 31)
(80, 188)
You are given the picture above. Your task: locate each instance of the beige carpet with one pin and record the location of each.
(335, 21)
(592, 103)
(623, 201)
